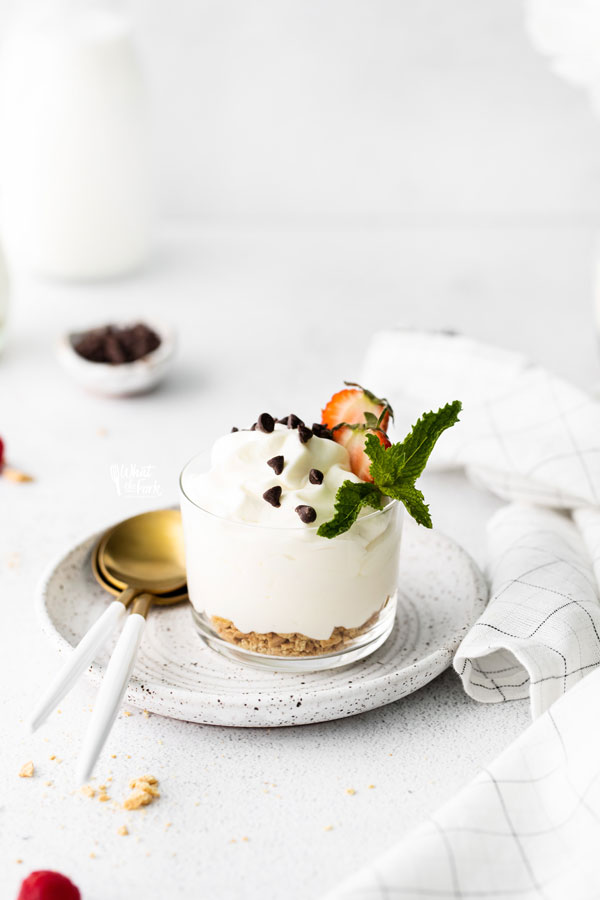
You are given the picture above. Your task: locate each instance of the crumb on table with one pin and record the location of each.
(143, 792)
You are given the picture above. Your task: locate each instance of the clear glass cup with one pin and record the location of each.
(285, 598)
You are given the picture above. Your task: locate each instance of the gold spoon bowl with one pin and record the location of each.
(145, 552)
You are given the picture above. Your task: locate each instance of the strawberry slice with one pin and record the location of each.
(352, 414)
(46, 885)
(353, 439)
(351, 404)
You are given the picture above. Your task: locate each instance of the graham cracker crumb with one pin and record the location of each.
(88, 791)
(123, 830)
(143, 779)
(350, 791)
(26, 770)
(18, 861)
(146, 714)
(328, 828)
(92, 855)
(15, 475)
(126, 712)
(53, 756)
(113, 755)
(289, 644)
(136, 799)
(48, 783)
(103, 797)
(143, 792)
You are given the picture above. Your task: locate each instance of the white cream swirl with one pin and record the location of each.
(240, 475)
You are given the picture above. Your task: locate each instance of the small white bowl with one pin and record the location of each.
(119, 379)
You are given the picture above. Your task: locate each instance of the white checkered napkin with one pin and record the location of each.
(524, 433)
(527, 828)
(540, 633)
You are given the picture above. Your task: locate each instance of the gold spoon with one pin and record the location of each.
(159, 535)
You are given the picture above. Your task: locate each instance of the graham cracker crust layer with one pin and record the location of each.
(293, 644)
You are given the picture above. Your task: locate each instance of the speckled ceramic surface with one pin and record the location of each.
(441, 594)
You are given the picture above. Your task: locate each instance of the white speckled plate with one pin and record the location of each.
(442, 592)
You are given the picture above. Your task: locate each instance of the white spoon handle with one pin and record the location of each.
(81, 657)
(111, 692)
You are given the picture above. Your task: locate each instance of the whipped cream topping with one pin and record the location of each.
(240, 475)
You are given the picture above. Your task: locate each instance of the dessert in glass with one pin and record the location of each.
(292, 552)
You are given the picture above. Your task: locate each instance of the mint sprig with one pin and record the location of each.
(349, 500)
(394, 471)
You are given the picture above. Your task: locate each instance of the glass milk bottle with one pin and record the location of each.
(75, 152)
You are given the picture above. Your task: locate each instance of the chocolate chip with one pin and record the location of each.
(273, 496)
(253, 427)
(304, 434)
(234, 429)
(265, 423)
(315, 476)
(322, 431)
(276, 463)
(306, 513)
(294, 421)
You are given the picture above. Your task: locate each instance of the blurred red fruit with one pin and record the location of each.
(45, 885)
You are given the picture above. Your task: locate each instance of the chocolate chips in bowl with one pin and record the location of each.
(115, 345)
(118, 359)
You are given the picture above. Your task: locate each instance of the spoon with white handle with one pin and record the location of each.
(154, 538)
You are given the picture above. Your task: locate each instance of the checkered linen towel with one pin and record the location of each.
(531, 438)
(527, 828)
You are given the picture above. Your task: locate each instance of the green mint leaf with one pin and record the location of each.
(414, 501)
(349, 500)
(387, 466)
(421, 440)
(394, 470)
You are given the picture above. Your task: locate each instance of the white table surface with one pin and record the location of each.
(267, 321)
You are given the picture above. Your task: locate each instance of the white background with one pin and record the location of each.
(324, 169)
(354, 112)
(362, 112)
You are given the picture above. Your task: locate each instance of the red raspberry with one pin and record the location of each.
(1, 453)
(45, 885)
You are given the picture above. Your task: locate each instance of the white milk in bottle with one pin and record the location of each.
(74, 156)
